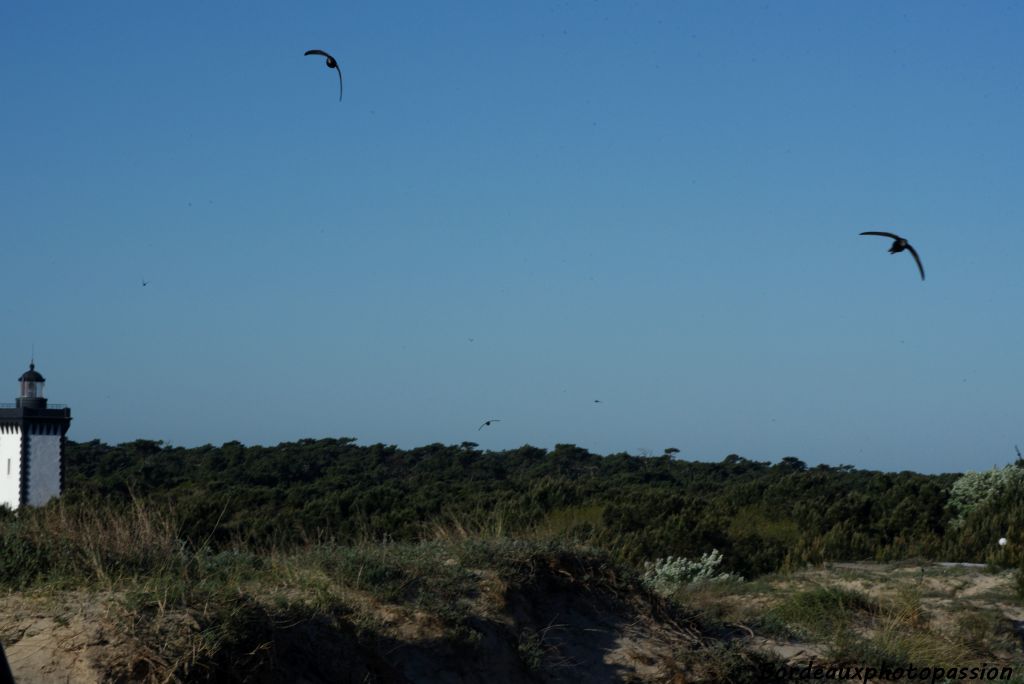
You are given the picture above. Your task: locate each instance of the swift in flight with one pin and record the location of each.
(899, 244)
(487, 423)
(331, 64)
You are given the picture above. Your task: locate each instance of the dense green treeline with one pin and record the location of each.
(761, 516)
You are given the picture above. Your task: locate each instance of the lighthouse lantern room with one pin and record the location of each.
(31, 445)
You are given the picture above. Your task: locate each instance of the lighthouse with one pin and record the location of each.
(31, 445)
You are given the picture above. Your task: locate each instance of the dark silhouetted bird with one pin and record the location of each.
(488, 422)
(331, 64)
(899, 244)
(145, 283)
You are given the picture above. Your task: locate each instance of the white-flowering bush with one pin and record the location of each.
(666, 575)
(971, 489)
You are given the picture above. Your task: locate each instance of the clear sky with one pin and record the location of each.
(517, 211)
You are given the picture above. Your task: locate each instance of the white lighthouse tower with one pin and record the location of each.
(31, 445)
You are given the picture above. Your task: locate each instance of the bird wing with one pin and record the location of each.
(318, 52)
(888, 235)
(341, 84)
(917, 259)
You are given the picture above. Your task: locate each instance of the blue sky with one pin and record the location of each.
(516, 211)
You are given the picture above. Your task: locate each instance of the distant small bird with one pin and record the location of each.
(487, 423)
(331, 64)
(597, 401)
(899, 245)
(145, 283)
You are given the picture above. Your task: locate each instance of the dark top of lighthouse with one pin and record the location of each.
(31, 395)
(32, 375)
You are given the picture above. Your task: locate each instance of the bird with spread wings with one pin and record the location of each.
(899, 244)
(331, 64)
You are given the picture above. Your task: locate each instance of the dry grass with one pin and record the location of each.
(875, 614)
(176, 610)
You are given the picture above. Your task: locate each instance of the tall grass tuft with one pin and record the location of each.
(73, 545)
(455, 527)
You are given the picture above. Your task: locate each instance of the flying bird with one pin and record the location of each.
(145, 283)
(899, 244)
(488, 422)
(331, 64)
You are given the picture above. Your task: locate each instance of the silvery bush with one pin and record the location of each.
(667, 575)
(972, 490)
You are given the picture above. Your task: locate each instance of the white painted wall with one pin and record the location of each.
(10, 452)
(44, 466)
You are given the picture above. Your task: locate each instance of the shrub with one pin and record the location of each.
(972, 490)
(665, 576)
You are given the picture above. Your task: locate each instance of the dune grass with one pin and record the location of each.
(196, 609)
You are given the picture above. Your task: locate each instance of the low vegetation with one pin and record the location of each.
(500, 608)
(313, 558)
(762, 517)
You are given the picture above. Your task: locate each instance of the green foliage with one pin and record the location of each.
(975, 489)
(761, 517)
(22, 560)
(530, 650)
(988, 505)
(821, 613)
(235, 584)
